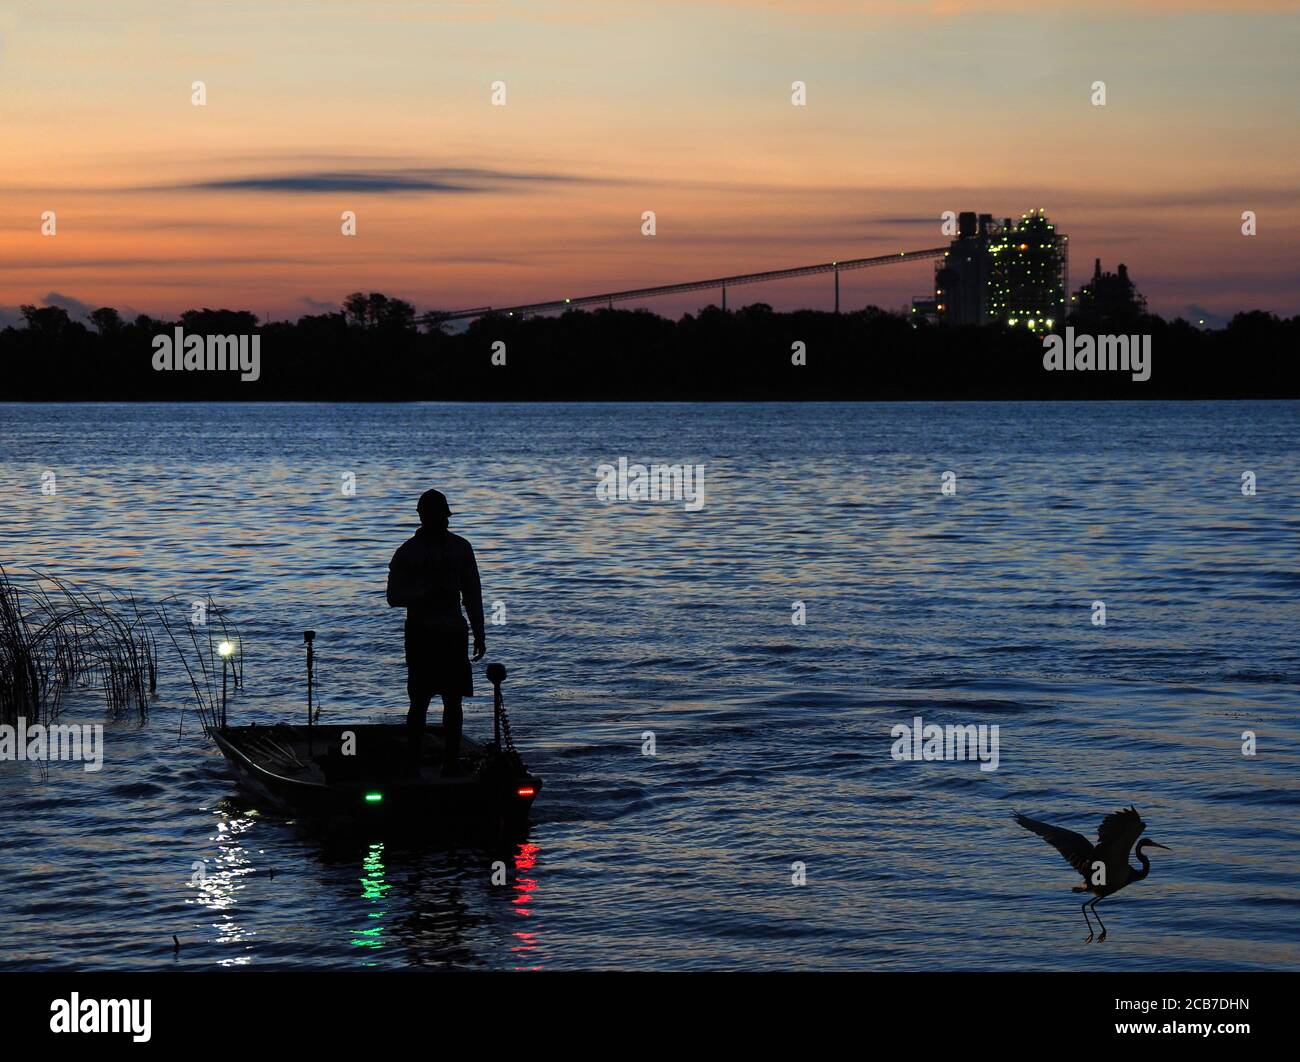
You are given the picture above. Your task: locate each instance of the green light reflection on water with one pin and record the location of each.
(373, 888)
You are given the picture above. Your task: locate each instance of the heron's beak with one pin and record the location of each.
(1157, 844)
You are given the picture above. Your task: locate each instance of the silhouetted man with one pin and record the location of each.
(429, 576)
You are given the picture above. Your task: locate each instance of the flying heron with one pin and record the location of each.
(1104, 865)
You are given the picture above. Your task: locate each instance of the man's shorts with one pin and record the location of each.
(437, 662)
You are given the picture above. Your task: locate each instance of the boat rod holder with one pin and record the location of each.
(308, 637)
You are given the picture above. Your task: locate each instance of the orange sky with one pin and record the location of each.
(384, 108)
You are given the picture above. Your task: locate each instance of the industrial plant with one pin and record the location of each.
(1014, 273)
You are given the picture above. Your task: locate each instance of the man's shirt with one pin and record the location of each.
(429, 576)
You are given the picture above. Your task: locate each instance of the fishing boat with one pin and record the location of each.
(365, 770)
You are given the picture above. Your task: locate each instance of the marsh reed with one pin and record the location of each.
(56, 638)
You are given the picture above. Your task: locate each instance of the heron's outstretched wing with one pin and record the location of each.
(1119, 830)
(1075, 847)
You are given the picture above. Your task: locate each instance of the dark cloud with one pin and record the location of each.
(12, 315)
(319, 305)
(445, 180)
(74, 306)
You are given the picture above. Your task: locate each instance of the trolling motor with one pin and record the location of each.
(505, 768)
(496, 674)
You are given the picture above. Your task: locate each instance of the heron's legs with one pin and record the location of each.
(1099, 921)
(1084, 908)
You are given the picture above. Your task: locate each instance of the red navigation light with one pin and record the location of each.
(526, 791)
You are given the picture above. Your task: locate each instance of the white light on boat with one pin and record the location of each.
(225, 649)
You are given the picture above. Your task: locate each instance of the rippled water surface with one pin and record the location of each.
(772, 739)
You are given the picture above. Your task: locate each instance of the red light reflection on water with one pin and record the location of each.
(525, 886)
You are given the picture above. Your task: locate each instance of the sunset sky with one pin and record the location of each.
(679, 106)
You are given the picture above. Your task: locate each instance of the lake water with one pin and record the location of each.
(772, 740)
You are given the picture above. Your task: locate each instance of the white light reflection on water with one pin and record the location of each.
(219, 883)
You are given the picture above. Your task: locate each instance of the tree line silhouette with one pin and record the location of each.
(377, 348)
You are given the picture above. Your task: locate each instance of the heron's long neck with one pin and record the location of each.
(1138, 875)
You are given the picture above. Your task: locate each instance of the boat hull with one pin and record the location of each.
(363, 772)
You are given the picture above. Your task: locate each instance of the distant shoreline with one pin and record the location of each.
(749, 355)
